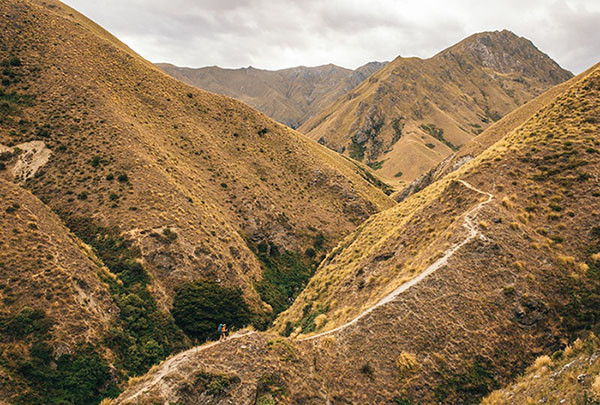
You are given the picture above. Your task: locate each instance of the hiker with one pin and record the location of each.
(222, 332)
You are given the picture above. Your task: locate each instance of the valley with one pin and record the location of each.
(138, 212)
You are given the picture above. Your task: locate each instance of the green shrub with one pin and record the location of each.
(95, 161)
(437, 133)
(199, 307)
(270, 386)
(82, 377)
(357, 150)
(284, 276)
(143, 335)
(367, 370)
(376, 165)
(123, 178)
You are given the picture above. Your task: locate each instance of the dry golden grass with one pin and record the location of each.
(139, 151)
(43, 266)
(570, 376)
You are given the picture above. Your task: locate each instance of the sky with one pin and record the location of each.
(276, 34)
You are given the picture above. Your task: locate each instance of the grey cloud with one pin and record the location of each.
(282, 33)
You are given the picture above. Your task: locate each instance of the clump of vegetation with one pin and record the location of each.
(357, 150)
(11, 61)
(283, 347)
(398, 125)
(376, 165)
(284, 273)
(284, 277)
(307, 323)
(143, 335)
(407, 364)
(367, 370)
(437, 133)
(475, 381)
(12, 208)
(216, 385)
(270, 387)
(199, 307)
(82, 377)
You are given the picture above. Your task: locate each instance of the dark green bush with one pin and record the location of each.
(79, 378)
(143, 335)
(199, 307)
(284, 277)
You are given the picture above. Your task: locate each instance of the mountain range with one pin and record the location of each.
(290, 96)
(138, 213)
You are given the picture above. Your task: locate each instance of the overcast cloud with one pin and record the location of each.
(274, 34)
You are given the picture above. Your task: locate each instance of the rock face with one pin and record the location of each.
(290, 96)
(414, 113)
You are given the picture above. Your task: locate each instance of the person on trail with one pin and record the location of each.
(222, 332)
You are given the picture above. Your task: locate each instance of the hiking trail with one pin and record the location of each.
(473, 231)
(170, 364)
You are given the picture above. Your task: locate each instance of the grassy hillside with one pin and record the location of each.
(487, 138)
(52, 305)
(290, 96)
(413, 113)
(197, 183)
(518, 229)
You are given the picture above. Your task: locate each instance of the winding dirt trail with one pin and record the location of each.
(170, 364)
(473, 231)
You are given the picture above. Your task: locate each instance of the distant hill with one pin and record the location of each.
(414, 112)
(290, 96)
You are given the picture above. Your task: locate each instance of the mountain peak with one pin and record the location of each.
(506, 52)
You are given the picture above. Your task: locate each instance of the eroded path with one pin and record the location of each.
(171, 364)
(473, 231)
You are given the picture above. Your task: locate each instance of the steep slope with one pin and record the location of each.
(442, 298)
(486, 139)
(569, 376)
(193, 180)
(290, 96)
(52, 298)
(413, 113)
